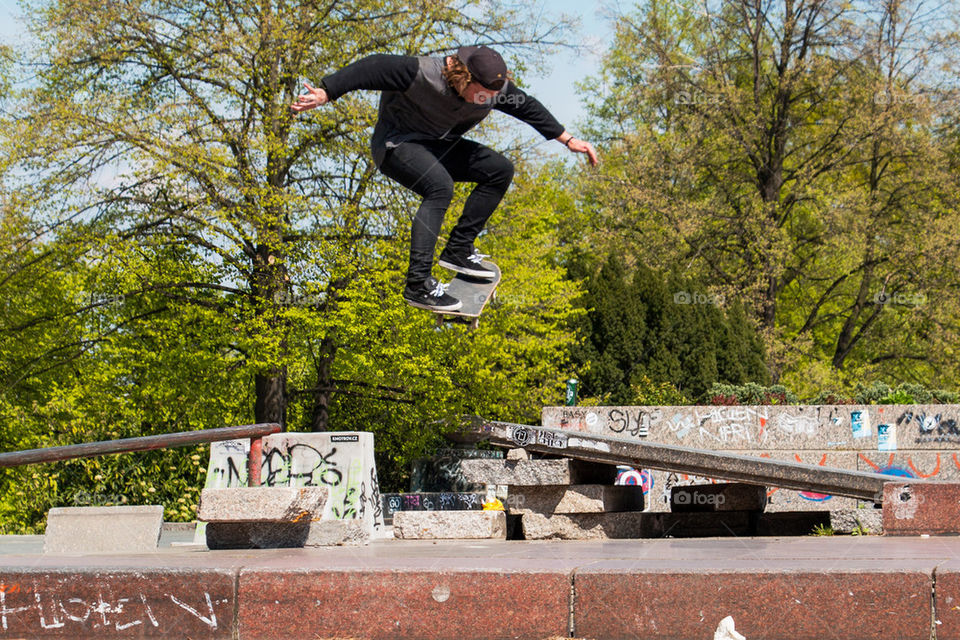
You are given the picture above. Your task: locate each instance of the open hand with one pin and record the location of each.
(582, 146)
(313, 98)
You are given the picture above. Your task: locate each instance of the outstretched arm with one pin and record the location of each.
(579, 146)
(379, 72)
(517, 103)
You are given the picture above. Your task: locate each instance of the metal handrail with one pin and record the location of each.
(145, 443)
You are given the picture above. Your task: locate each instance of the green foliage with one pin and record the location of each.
(656, 394)
(750, 394)
(641, 327)
(178, 251)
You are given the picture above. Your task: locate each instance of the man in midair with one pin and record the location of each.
(426, 105)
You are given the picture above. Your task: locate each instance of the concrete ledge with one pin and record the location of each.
(874, 588)
(285, 535)
(103, 529)
(95, 603)
(450, 525)
(585, 526)
(582, 498)
(262, 504)
(425, 603)
(614, 602)
(527, 473)
(911, 509)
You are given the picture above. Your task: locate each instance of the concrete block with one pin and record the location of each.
(616, 601)
(921, 508)
(517, 454)
(262, 504)
(103, 529)
(868, 519)
(538, 472)
(441, 472)
(726, 428)
(284, 535)
(433, 501)
(340, 461)
(450, 525)
(818, 427)
(726, 496)
(586, 498)
(298, 602)
(117, 596)
(585, 526)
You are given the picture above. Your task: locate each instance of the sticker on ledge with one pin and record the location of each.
(860, 423)
(886, 437)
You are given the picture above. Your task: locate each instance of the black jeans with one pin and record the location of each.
(430, 168)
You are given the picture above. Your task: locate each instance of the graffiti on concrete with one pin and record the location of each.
(56, 611)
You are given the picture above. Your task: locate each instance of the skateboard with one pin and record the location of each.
(474, 293)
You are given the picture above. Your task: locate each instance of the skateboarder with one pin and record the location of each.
(426, 105)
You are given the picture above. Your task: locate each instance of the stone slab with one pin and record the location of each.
(81, 604)
(617, 602)
(727, 428)
(866, 519)
(731, 428)
(919, 509)
(443, 501)
(262, 504)
(586, 526)
(725, 496)
(284, 535)
(397, 605)
(583, 498)
(947, 598)
(450, 525)
(103, 529)
(441, 472)
(538, 472)
(340, 461)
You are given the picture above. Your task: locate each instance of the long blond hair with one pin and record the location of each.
(457, 74)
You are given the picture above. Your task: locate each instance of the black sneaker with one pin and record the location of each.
(430, 295)
(467, 264)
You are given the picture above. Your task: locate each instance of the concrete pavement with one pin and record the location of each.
(774, 588)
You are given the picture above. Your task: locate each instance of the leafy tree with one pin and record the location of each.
(792, 154)
(188, 255)
(642, 329)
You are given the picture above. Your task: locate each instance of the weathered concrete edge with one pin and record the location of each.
(592, 568)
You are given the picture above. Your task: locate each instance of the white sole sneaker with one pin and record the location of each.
(467, 271)
(449, 307)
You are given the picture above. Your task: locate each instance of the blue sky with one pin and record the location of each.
(553, 85)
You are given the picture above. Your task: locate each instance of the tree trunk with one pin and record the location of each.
(320, 413)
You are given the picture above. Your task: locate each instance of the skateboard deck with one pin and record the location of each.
(474, 293)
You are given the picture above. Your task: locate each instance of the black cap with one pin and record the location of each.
(485, 65)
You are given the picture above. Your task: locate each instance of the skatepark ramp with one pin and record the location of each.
(720, 465)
